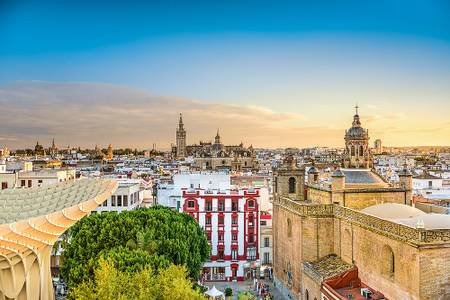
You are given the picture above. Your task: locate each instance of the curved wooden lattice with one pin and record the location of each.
(31, 220)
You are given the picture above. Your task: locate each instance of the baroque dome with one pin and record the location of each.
(356, 131)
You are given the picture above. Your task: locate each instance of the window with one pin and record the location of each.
(352, 150)
(266, 242)
(125, 200)
(40, 181)
(266, 258)
(263, 223)
(191, 204)
(29, 183)
(234, 220)
(220, 237)
(389, 262)
(4, 185)
(221, 205)
(220, 220)
(220, 254)
(289, 227)
(250, 220)
(306, 295)
(233, 254)
(208, 236)
(251, 203)
(208, 206)
(251, 253)
(234, 206)
(119, 200)
(208, 220)
(234, 236)
(292, 185)
(105, 203)
(430, 184)
(132, 199)
(22, 183)
(251, 238)
(113, 200)
(361, 150)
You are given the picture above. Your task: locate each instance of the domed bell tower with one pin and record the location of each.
(357, 153)
(288, 180)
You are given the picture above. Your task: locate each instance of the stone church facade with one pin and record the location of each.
(351, 234)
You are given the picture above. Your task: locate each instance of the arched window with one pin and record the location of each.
(289, 227)
(352, 150)
(388, 261)
(306, 295)
(361, 150)
(291, 185)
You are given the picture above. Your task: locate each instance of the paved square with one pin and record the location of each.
(243, 286)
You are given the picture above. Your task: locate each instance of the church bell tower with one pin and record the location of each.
(181, 139)
(357, 152)
(289, 179)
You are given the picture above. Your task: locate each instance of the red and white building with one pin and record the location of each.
(230, 219)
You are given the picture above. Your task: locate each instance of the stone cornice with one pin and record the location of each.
(414, 236)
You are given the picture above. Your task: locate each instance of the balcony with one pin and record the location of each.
(251, 257)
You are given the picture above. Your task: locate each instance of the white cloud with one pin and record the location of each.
(86, 114)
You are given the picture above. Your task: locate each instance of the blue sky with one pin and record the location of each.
(312, 59)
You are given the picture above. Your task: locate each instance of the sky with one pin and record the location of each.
(267, 73)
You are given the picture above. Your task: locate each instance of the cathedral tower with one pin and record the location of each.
(181, 139)
(357, 153)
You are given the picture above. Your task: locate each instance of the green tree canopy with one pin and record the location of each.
(170, 283)
(133, 240)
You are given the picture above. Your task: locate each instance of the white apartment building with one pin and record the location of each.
(169, 194)
(426, 181)
(44, 177)
(29, 179)
(128, 196)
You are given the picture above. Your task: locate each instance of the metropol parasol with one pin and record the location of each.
(31, 220)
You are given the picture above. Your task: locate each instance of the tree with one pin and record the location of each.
(246, 296)
(111, 283)
(133, 240)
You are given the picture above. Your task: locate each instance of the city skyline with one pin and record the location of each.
(268, 75)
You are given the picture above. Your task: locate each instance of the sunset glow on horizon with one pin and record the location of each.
(268, 75)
